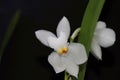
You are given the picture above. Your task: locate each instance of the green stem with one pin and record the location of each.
(88, 26)
(82, 71)
(66, 76)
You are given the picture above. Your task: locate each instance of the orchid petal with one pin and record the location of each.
(57, 43)
(106, 37)
(42, 35)
(55, 60)
(77, 52)
(63, 26)
(71, 67)
(96, 50)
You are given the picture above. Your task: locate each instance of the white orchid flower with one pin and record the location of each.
(103, 37)
(66, 56)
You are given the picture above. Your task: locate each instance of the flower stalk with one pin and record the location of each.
(88, 26)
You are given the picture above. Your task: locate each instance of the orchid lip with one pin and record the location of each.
(63, 50)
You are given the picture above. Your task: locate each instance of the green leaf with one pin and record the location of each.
(9, 32)
(88, 25)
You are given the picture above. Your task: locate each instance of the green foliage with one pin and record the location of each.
(88, 26)
(9, 32)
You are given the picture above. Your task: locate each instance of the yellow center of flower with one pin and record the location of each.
(63, 50)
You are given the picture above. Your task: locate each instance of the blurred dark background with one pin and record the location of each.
(25, 58)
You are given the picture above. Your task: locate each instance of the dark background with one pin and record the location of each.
(25, 58)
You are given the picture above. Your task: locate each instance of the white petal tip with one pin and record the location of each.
(63, 26)
(38, 34)
(58, 71)
(64, 18)
(96, 50)
(75, 75)
(97, 55)
(101, 23)
(42, 36)
(99, 58)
